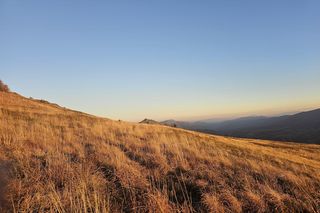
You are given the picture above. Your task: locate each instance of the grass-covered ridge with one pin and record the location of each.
(57, 160)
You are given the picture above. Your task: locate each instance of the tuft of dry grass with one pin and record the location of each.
(4, 87)
(57, 160)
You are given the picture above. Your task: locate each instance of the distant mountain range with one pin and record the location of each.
(302, 127)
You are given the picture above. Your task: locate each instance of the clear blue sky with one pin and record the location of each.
(164, 59)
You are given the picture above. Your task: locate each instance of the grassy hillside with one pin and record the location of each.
(58, 160)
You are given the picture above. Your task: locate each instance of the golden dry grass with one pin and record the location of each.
(57, 160)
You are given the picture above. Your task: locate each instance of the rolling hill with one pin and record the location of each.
(302, 127)
(53, 159)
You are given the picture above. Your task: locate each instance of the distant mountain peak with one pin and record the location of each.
(149, 121)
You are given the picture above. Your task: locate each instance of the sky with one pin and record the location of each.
(165, 59)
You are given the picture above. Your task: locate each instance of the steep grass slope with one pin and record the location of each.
(57, 160)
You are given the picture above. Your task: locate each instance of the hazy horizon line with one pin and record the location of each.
(270, 112)
(232, 116)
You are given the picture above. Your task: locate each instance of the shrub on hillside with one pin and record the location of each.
(4, 87)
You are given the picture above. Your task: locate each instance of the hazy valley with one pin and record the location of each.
(302, 127)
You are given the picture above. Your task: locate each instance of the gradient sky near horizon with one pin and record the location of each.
(164, 59)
